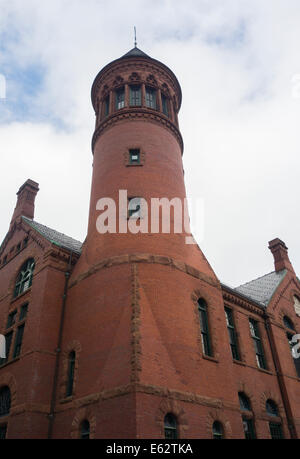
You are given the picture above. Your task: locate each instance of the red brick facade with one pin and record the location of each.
(126, 307)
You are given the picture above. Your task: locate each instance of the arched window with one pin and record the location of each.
(245, 404)
(217, 431)
(275, 427)
(247, 416)
(85, 430)
(271, 408)
(170, 425)
(288, 323)
(5, 401)
(205, 336)
(24, 278)
(71, 371)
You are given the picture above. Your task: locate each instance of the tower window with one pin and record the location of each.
(135, 96)
(151, 98)
(134, 207)
(164, 102)
(134, 156)
(106, 105)
(24, 278)
(170, 427)
(260, 358)
(120, 98)
(232, 334)
(205, 337)
(217, 431)
(85, 430)
(71, 371)
(19, 340)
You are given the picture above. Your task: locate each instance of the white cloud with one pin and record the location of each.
(234, 60)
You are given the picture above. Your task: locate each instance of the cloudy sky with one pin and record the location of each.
(238, 64)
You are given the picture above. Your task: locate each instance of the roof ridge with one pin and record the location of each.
(52, 229)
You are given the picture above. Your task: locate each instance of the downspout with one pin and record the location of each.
(282, 387)
(58, 350)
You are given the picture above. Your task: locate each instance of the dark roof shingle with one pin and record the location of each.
(55, 237)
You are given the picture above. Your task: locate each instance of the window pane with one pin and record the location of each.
(217, 430)
(120, 98)
(170, 425)
(151, 98)
(276, 431)
(244, 402)
(271, 408)
(71, 371)
(19, 339)
(5, 401)
(249, 429)
(11, 319)
(134, 156)
(23, 311)
(135, 95)
(85, 430)
(134, 207)
(3, 429)
(164, 101)
(8, 340)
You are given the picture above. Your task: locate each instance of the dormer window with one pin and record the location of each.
(150, 98)
(120, 98)
(135, 96)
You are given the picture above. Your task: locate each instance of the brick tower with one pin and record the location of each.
(132, 314)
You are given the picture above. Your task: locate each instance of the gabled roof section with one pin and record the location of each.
(55, 237)
(262, 289)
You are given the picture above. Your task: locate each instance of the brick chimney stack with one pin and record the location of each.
(280, 254)
(25, 202)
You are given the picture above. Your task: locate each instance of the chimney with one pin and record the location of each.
(280, 254)
(25, 202)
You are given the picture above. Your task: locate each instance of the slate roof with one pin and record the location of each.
(135, 52)
(55, 237)
(262, 289)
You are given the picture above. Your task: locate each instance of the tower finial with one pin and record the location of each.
(135, 42)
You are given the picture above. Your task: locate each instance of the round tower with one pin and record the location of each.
(140, 303)
(137, 148)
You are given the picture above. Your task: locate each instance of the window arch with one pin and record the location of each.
(85, 430)
(5, 401)
(205, 335)
(24, 278)
(71, 371)
(170, 426)
(218, 431)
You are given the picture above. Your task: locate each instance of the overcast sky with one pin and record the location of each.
(238, 64)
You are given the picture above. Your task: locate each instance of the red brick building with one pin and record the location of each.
(133, 335)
